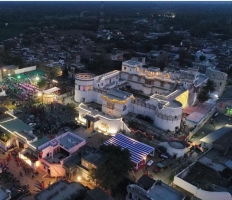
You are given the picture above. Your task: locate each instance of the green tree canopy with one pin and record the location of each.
(203, 96)
(210, 86)
(42, 84)
(202, 58)
(111, 173)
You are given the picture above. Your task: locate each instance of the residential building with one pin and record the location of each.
(219, 78)
(209, 177)
(52, 154)
(62, 190)
(16, 132)
(147, 189)
(211, 140)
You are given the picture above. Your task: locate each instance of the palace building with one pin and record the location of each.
(106, 98)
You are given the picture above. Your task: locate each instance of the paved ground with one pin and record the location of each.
(26, 179)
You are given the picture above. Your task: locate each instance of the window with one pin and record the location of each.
(124, 107)
(110, 105)
(84, 87)
(124, 68)
(89, 87)
(79, 87)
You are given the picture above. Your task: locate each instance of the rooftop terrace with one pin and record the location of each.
(162, 191)
(68, 141)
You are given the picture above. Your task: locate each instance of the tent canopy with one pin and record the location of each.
(139, 151)
(51, 90)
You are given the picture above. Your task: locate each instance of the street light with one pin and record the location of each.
(40, 94)
(79, 178)
(37, 78)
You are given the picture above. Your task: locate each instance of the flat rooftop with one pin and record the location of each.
(118, 94)
(164, 192)
(202, 78)
(95, 112)
(132, 63)
(68, 141)
(95, 158)
(60, 190)
(16, 125)
(200, 108)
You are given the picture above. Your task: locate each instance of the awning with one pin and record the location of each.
(51, 90)
(90, 118)
(160, 165)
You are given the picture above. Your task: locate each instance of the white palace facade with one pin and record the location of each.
(116, 94)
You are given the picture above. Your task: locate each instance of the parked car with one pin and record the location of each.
(17, 112)
(32, 124)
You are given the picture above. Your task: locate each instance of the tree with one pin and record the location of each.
(210, 86)
(202, 58)
(42, 84)
(111, 173)
(203, 96)
(162, 60)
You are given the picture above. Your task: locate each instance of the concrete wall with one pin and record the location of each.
(110, 126)
(106, 123)
(26, 69)
(3, 145)
(168, 118)
(172, 151)
(199, 193)
(56, 170)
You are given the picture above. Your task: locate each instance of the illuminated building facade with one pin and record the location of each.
(167, 93)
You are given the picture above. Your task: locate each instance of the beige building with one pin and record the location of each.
(219, 79)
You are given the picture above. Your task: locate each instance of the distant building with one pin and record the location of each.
(7, 71)
(219, 78)
(203, 66)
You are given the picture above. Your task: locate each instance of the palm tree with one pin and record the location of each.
(210, 86)
(203, 96)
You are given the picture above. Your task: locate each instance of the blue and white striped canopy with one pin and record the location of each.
(138, 150)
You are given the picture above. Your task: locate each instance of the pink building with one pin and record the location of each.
(53, 153)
